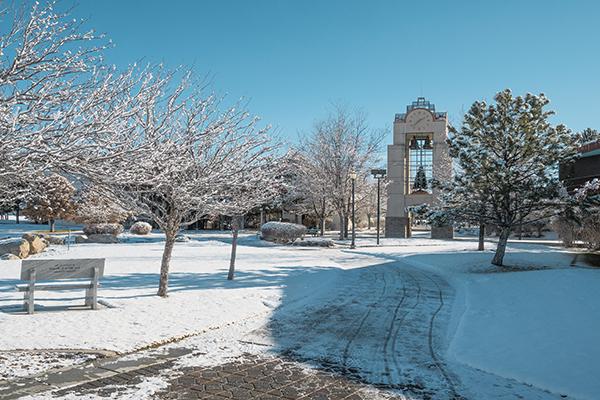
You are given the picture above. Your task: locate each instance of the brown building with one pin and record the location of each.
(585, 168)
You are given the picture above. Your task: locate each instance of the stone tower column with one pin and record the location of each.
(420, 127)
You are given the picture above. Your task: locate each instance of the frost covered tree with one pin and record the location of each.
(259, 180)
(186, 151)
(50, 199)
(509, 152)
(47, 64)
(586, 136)
(309, 188)
(339, 144)
(579, 216)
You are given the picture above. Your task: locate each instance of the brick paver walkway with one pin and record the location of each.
(265, 379)
(247, 378)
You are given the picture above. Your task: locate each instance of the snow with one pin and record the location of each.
(540, 327)
(536, 324)
(15, 364)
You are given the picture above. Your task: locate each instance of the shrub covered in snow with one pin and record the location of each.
(140, 228)
(283, 232)
(100, 229)
(314, 242)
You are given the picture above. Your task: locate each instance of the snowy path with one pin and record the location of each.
(386, 325)
(380, 325)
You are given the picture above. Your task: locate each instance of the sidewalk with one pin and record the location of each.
(248, 377)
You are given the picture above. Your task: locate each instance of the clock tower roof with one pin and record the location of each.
(421, 104)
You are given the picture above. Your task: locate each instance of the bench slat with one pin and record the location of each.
(54, 286)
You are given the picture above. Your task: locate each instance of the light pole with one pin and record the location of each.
(378, 174)
(353, 179)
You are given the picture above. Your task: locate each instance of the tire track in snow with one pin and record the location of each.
(364, 318)
(399, 326)
(434, 356)
(390, 332)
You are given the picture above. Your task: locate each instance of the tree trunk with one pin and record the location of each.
(233, 252)
(346, 224)
(52, 223)
(164, 266)
(368, 221)
(262, 217)
(342, 220)
(322, 225)
(501, 249)
(480, 247)
(17, 212)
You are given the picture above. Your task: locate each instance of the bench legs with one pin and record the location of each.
(29, 298)
(28, 302)
(91, 298)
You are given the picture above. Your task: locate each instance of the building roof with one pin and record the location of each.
(421, 103)
(589, 149)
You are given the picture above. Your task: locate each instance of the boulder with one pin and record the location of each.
(81, 239)
(102, 238)
(9, 256)
(314, 242)
(101, 229)
(18, 247)
(55, 239)
(36, 243)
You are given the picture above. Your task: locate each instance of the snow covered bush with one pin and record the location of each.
(102, 229)
(51, 198)
(140, 228)
(282, 232)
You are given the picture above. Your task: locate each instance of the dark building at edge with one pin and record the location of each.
(585, 168)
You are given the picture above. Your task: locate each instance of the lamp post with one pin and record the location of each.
(378, 174)
(353, 179)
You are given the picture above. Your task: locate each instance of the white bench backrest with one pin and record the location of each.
(62, 269)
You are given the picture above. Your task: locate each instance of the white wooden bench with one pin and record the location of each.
(48, 275)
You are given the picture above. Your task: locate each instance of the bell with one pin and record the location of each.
(427, 145)
(413, 144)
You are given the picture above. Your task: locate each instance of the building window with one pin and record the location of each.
(420, 165)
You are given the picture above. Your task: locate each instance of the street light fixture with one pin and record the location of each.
(353, 179)
(378, 174)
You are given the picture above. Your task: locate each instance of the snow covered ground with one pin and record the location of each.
(536, 327)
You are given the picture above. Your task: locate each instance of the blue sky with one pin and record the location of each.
(292, 59)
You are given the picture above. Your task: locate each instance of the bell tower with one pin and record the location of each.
(418, 155)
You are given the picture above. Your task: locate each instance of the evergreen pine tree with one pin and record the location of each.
(507, 155)
(420, 183)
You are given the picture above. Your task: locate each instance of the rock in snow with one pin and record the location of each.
(18, 247)
(36, 243)
(54, 239)
(105, 238)
(314, 242)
